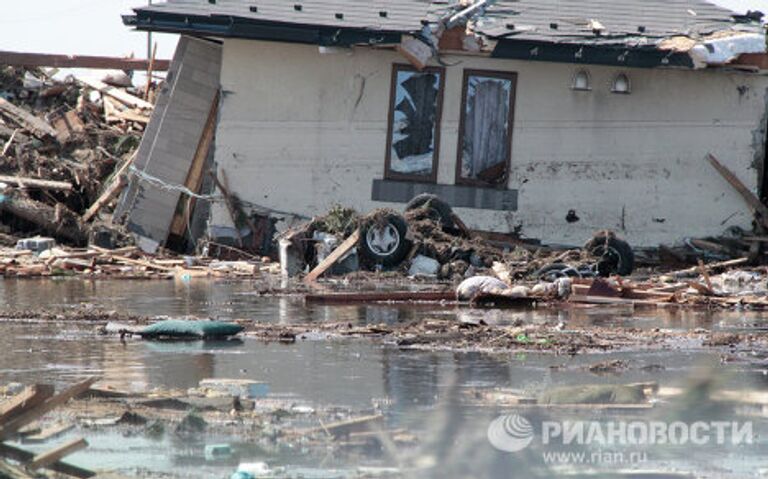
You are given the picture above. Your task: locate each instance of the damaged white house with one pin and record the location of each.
(546, 119)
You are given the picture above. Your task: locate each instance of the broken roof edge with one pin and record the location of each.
(629, 51)
(226, 26)
(646, 56)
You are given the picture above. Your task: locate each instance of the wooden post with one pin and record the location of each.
(230, 206)
(149, 72)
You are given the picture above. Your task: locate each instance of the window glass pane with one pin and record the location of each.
(485, 142)
(414, 122)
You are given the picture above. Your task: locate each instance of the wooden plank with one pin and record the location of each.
(751, 199)
(108, 195)
(194, 179)
(28, 121)
(373, 422)
(12, 426)
(55, 455)
(381, 296)
(30, 397)
(118, 183)
(138, 262)
(709, 267)
(120, 95)
(13, 472)
(332, 258)
(80, 61)
(23, 456)
(48, 433)
(36, 183)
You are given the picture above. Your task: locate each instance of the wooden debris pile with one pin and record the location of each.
(19, 412)
(65, 146)
(124, 263)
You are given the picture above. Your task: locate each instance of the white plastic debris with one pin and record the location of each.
(479, 284)
(36, 244)
(519, 292)
(563, 287)
(117, 78)
(541, 289)
(739, 283)
(424, 266)
(723, 50)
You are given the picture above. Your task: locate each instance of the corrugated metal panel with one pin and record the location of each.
(171, 139)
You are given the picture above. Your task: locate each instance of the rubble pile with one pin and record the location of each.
(121, 263)
(62, 145)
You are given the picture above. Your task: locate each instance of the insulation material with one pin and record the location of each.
(723, 50)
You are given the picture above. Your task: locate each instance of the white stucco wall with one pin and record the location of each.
(292, 136)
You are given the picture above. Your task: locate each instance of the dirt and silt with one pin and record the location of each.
(426, 379)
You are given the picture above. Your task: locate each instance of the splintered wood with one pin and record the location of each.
(124, 263)
(27, 407)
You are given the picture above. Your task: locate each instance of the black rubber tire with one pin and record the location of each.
(441, 210)
(616, 256)
(394, 257)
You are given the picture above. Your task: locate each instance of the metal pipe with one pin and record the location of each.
(463, 15)
(149, 38)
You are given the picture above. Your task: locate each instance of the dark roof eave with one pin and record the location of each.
(590, 54)
(234, 27)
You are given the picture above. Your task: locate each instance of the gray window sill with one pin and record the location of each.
(458, 196)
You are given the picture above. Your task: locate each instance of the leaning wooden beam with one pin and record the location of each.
(28, 121)
(36, 183)
(752, 200)
(23, 456)
(80, 61)
(55, 455)
(109, 194)
(120, 95)
(11, 427)
(332, 258)
(30, 397)
(194, 180)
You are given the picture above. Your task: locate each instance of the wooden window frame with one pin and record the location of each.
(393, 175)
(512, 77)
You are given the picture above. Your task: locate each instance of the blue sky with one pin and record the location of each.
(93, 27)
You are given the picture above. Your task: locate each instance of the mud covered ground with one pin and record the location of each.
(449, 334)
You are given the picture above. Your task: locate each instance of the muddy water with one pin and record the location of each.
(432, 394)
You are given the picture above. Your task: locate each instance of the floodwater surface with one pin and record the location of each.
(438, 396)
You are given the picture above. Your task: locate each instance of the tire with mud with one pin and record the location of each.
(383, 241)
(439, 209)
(615, 256)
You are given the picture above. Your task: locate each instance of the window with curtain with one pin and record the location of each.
(414, 121)
(485, 129)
